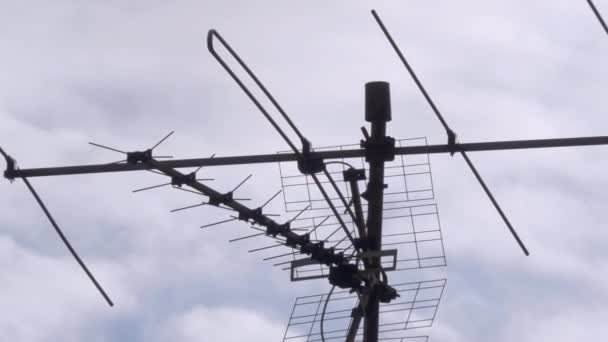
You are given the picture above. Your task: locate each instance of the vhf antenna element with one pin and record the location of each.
(449, 132)
(336, 231)
(11, 163)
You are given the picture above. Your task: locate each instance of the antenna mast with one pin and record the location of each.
(359, 267)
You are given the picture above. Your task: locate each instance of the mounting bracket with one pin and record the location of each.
(182, 180)
(139, 157)
(379, 149)
(11, 166)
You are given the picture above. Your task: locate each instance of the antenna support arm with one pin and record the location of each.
(315, 250)
(14, 172)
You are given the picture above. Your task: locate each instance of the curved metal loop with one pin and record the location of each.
(213, 33)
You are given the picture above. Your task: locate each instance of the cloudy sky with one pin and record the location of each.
(125, 73)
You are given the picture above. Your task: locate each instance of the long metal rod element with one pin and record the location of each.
(356, 198)
(336, 154)
(67, 243)
(498, 208)
(344, 201)
(214, 33)
(334, 210)
(450, 133)
(598, 15)
(244, 211)
(411, 72)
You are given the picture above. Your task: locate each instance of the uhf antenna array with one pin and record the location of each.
(344, 238)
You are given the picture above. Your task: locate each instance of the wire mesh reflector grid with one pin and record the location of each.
(408, 178)
(416, 237)
(414, 228)
(415, 308)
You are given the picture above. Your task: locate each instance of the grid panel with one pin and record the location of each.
(416, 308)
(408, 178)
(411, 219)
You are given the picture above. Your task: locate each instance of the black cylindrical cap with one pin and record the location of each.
(377, 102)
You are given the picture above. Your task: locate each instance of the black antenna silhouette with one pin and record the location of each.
(598, 15)
(66, 242)
(162, 140)
(11, 163)
(135, 157)
(189, 207)
(214, 34)
(241, 183)
(306, 162)
(271, 198)
(219, 222)
(450, 133)
(200, 167)
(343, 239)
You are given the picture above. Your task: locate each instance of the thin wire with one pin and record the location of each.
(107, 148)
(216, 223)
(151, 187)
(339, 162)
(256, 228)
(263, 248)
(278, 256)
(154, 171)
(67, 243)
(162, 140)
(188, 190)
(598, 15)
(319, 225)
(300, 213)
(246, 237)
(271, 198)
(323, 312)
(200, 167)
(188, 207)
(241, 183)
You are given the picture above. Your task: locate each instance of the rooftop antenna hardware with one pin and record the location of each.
(351, 254)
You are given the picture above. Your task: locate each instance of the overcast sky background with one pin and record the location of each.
(126, 73)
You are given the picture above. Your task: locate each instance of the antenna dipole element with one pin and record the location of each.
(67, 243)
(450, 133)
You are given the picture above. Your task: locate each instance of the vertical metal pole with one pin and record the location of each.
(356, 196)
(378, 113)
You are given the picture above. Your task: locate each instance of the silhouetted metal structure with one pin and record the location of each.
(358, 262)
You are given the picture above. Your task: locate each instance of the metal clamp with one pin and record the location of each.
(11, 166)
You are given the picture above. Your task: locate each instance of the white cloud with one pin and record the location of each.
(220, 324)
(124, 73)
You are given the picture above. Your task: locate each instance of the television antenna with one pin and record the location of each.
(359, 269)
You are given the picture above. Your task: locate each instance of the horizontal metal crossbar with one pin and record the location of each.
(336, 154)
